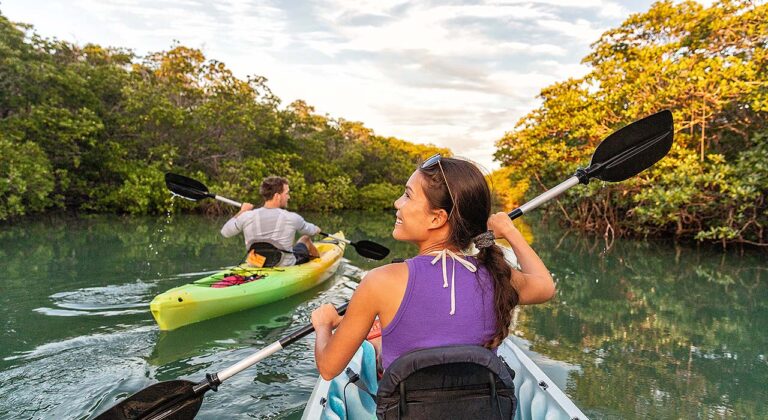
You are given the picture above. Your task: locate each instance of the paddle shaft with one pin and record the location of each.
(267, 351)
(166, 400)
(612, 160)
(228, 201)
(328, 235)
(544, 197)
(236, 204)
(582, 176)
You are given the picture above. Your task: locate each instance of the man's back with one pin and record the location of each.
(275, 225)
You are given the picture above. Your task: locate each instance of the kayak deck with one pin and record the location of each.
(198, 301)
(538, 396)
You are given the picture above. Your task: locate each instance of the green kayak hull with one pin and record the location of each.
(198, 301)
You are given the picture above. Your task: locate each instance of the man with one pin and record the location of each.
(273, 224)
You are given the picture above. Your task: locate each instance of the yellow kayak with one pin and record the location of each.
(198, 301)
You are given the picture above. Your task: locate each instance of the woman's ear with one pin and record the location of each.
(439, 219)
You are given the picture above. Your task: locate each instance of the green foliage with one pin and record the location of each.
(334, 194)
(25, 178)
(65, 136)
(705, 64)
(141, 191)
(379, 196)
(105, 125)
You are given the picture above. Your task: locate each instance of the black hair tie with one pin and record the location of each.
(484, 240)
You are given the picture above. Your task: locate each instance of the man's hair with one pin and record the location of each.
(272, 185)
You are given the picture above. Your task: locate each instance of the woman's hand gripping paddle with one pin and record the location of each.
(180, 399)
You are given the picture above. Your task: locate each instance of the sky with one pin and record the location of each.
(455, 74)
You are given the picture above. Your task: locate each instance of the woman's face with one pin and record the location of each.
(413, 215)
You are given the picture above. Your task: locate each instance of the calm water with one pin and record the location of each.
(645, 329)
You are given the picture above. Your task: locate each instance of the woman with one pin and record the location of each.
(441, 296)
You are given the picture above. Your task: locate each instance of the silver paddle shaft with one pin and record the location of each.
(272, 348)
(333, 237)
(545, 196)
(228, 201)
(249, 361)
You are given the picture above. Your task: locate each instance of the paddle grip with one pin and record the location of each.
(211, 381)
(307, 330)
(514, 214)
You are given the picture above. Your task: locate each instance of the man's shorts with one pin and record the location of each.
(301, 252)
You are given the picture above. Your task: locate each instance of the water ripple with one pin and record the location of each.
(105, 296)
(69, 312)
(111, 300)
(94, 340)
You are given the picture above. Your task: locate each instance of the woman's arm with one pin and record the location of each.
(533, 283)
(334, 350)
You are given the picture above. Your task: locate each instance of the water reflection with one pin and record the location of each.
(643, 329)
(659, 330)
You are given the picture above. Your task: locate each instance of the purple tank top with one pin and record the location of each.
(423, 319)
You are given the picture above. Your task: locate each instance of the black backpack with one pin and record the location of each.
(271, 253)
(456, 382)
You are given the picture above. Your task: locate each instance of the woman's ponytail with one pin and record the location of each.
(504, 295)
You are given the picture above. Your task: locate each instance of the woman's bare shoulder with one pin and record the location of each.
(389, 270)
(383, 288)
(386, 275)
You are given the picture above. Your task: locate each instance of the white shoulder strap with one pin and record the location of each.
(257, 219)
(279, 223)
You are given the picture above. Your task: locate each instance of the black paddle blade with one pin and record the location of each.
(186, 187)
(634, 148)
(164, 400)
(371, 250)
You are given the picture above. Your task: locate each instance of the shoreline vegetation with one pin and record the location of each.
(708, 65)
(93, 129)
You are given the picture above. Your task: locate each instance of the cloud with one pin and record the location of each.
(442, 30)
(456, 75)
(150, 25)
(603, 8)
(581, 29)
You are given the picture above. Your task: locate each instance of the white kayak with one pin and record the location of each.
(538, 396)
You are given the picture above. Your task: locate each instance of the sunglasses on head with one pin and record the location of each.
(435, 160)
(431, 161)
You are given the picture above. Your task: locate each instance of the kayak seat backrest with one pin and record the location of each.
(267, 250)
(456, 382)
